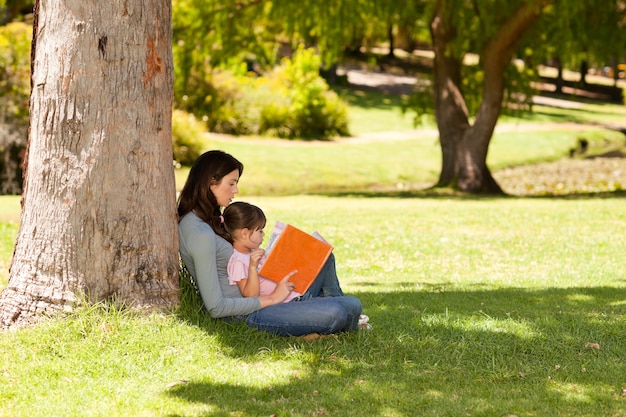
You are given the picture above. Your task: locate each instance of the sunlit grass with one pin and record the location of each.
(479, 307)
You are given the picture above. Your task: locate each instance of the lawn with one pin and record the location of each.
(509, 306)
(480, 307)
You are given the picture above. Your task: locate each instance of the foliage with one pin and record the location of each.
(187, 137)
(15, 10)
(291, 101)
(310, 109)
(15, 41)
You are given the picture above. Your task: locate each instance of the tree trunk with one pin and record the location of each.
(559, 82)
(98, 208)
(464, 146)
(392, 43)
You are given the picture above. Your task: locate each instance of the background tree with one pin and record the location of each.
(98, 217)
(468, 99)
(495, 38)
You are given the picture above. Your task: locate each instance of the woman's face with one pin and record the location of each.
(225, 190)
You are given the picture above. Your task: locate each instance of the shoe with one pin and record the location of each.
(363, 319)
(365, 326)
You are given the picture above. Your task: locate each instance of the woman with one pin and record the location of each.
(205, 248)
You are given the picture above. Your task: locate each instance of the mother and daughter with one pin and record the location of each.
(206, 247)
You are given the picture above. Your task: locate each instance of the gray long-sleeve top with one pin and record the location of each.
(206, 256)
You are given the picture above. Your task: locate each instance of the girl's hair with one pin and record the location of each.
(209, 169)
(240, 215)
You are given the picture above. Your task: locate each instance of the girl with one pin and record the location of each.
(244, 223)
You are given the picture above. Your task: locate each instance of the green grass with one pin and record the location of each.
(480, 307)
(296, 167)
(405, 157)
(371, 112)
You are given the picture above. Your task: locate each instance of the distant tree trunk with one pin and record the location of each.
(464, 146)
(392, 41)
(98, 208)
(559, 82)
(614, 65)
(584, 69)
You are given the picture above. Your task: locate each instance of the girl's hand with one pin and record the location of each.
(284, 287)
(256, 256)
(281, 291)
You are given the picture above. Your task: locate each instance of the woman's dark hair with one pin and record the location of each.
(241, 215)
(209, 169)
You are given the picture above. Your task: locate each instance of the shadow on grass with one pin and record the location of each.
(370, 98)
(435, 351)
(447, 193)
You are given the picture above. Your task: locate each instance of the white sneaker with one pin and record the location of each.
(363, 322)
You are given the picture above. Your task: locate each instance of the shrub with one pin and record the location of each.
(15, 39)
(308, 108)
(292, 101)
(187, 141)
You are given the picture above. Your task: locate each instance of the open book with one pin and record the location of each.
(288, 249)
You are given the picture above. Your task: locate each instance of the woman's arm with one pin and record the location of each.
(203, 256)
(199, 252)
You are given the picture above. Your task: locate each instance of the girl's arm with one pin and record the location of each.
(251, 287)
(198, 250)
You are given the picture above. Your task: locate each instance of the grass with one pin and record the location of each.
(392, 154)
(402, 163)
(480, 307)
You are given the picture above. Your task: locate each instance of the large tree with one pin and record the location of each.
(98, 208)
(464, 145)
(467, 99)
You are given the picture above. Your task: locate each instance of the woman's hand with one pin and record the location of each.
(281, 291)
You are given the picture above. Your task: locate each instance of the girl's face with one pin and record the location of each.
(226, 189)
(246, 239)
(256, 238)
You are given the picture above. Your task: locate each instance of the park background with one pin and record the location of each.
(481, 305)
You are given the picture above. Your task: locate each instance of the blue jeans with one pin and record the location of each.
(324, 315)
(323, 309)
(326, 283)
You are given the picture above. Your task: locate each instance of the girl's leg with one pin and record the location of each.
(326, 283)
(316, 315)
(353, 307)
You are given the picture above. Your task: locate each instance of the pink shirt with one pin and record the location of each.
(238, 266)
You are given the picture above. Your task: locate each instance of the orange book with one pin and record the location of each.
(291, 249)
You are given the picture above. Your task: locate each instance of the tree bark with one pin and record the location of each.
(98, 208)
(464, 146)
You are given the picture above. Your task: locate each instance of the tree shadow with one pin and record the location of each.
(448, 194)
(435, 351)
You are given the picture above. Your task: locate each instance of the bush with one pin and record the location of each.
(15, 39)
(187, 141)
(308, 108)
(292, 101)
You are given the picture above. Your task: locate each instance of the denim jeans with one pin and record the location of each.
(326, 283)
(324, 315)
(323, 309)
